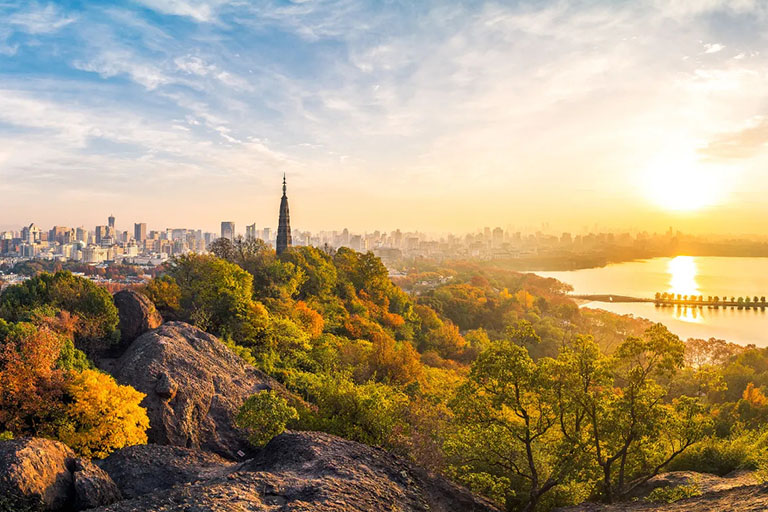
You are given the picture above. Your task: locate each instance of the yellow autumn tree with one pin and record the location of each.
(102, 416)
(754, 396)
(525, 299)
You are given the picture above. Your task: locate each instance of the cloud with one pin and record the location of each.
(446, 99)
(712, 47)
(200, 10)
(741, 144)
(110, 63)
(193, 65)
(39, 19)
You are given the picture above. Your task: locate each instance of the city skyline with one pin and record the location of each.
(433, 116)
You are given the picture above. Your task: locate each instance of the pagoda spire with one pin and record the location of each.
(284, 224)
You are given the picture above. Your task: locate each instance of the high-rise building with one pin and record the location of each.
(228, 230)
(284, 224)
(498, 237)
(266, 234)
(101, 233)
(140, 231)
(250, 232)
(31, 234)
(111, 222)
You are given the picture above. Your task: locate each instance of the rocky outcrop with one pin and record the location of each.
(35, 474)
(194, 386)
(137, 315)
(139, 470)
(93, 487)
(40, 474)
(736, 491)
(753, 498)
(313, 472)
(704, 482)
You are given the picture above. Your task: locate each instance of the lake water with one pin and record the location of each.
(685, 275)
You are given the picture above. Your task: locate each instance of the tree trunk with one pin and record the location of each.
(533, 500)
(608, 495)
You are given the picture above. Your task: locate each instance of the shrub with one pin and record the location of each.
(102, 415)
(672, 494)
(265, 415)
(370, 413)
(720, 456)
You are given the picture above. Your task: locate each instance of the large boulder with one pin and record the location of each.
(143, 469)
(35, 474)
(314, 472)
(93, 487)
(137, 315)
(194, 385)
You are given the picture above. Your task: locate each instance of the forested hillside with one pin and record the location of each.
(493, 378)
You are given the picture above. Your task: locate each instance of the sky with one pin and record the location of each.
(431, 115)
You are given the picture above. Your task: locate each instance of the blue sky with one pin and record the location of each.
(430, 114)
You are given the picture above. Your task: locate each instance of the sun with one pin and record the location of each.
(680, 183)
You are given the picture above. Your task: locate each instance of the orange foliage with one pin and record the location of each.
(754, 396)
(309, 319)
(30, 385)
(395, 363)
(360, 327)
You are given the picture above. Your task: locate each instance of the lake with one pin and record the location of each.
(685, 275)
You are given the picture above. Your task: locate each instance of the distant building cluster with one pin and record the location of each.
(106, 244)
(153, 247)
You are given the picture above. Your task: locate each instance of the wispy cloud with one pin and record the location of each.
(39, 19)
(110, 63)
(199, 10)
(740, 144)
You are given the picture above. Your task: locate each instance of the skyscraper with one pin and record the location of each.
(140, 231)
(228, 230)
(283, 225)
(111, 222)
(250, 232)
(102, 232)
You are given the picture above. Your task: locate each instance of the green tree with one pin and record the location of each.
(165, 293)
(509, 426)
(633, 433)
(272, 278)
(317, 266)
(214, 294)
(265, 415)
(92, 305)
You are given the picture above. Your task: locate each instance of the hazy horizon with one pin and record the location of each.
(431, 116)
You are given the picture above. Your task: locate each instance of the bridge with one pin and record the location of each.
(669, 300)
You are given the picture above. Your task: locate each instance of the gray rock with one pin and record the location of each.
(314, 472)
(137, 315)
(194, 385)
(93, 487)
(143, 469)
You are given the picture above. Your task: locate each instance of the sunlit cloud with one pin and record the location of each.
(469, 113)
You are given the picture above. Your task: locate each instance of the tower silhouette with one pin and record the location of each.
(284, 224)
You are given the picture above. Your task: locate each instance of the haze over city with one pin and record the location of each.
(426, 115)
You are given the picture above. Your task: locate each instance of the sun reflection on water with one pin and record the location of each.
(682, 272)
